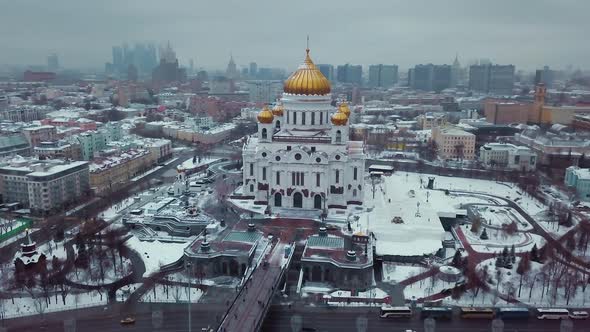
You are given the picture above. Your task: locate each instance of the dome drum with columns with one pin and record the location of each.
(301, 157)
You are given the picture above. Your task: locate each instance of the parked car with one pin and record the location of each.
(128, 321)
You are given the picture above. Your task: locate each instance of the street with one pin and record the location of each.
(279, 319)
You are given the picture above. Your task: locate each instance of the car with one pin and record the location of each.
(578, 314)
(128, 321)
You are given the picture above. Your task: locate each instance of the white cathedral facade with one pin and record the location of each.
(301, 156)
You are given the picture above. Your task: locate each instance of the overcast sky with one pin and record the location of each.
(527, 33)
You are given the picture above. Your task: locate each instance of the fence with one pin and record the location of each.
(50, 310)
(25, 224)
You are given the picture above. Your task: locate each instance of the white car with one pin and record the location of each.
(578, 314)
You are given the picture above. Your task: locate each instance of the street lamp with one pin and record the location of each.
(188, 265)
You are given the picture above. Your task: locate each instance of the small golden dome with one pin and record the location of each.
(343, 108)
(278, 110)
(339, 119)
(265, 116)
(307, 80)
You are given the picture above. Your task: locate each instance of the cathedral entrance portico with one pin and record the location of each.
(278, 200)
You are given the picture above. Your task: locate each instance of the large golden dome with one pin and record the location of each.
(343, 108)
(339, 119)
(307, 80)
(265, 116)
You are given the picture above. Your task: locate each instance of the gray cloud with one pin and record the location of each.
(526, 33)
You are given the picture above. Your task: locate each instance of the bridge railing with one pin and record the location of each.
(284, 268)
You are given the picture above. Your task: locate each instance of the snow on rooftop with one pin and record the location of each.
(189, 164)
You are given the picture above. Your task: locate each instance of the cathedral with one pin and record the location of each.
(301, 157)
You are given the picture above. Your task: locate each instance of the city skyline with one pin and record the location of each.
(391, 33)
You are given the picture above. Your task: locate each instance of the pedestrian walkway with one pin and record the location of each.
(250, 307)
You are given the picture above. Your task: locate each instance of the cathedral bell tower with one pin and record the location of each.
(339, 130)
(265, 125)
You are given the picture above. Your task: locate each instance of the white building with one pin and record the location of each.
(264, 91)
(302, 157)
(508, 156)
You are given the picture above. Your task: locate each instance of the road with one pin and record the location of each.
(174, 318)
(249, 308)
(279, 319)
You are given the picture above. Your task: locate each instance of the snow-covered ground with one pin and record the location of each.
(541, 286)
(56, 249)
(395, 273)
(499, 216)
(426, 287)
(550, 225)
(155, 254)
(498, 239)
(24, 306)
(91, 275)
(403, 195)
(171, 294)
(114, 211)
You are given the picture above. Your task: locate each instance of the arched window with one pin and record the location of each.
(338, 136)
(278, 125)
(251, 188)
(264, 133)
(354, 193)
(355, 173)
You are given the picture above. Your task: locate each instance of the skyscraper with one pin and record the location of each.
(52, 62)
(430, 77)
(143, 56)
(487, 78)
(253, 72)
(350, 74)
(382, 75)
(441, 78)
(232, 71)
(327, 70)
(117, 57)
(456, 72)
(545, 76)
(168, 69)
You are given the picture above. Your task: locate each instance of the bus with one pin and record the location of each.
(437, 312)
(477, 313)
(395, 312)
(555, 313)
(513, 313)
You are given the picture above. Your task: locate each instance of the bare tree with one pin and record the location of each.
(524, 266)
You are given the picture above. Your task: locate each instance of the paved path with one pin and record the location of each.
(249, 308)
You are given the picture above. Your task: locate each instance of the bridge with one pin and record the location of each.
(248, 310)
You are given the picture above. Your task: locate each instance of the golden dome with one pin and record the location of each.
(265, 116)
(343, 108)
(307, 80)
(277, 110)
(339, 119)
